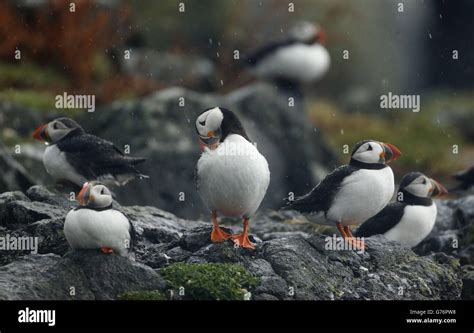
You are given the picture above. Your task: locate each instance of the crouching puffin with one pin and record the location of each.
(232, 176)
(412, 216)
(94, 224)
(78, 157)
(300, 58)
(352, 193)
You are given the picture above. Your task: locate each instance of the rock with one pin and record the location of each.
(161, 128)
(13, 175)
(453, 232)
(468, 282)
(172, 69)
(81, 275)
(292, 261)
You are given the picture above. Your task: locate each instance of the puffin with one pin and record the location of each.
(298, 59)
(465, 178)
(77, 157)
(232, 176)
(95, 224)
(412, 216)
(352, 193)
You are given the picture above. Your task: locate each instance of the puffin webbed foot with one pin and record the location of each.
(218, 235)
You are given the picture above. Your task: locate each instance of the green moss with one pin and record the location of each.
(210, 281)
(142, 295)
(29, 75)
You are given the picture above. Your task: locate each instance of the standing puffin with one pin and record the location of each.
(96, 225)
(352, 193)
(232, 176)
(301, 58)
(412, 216)
(78, 157)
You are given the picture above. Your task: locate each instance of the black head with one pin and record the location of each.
(419, 185)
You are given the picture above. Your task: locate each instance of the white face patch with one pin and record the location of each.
(57, 130)
(421, 187)
(209, 121)
(304, 31)
(100, 196)
(369, 152)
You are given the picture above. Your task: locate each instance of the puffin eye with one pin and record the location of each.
(370, 148)
(424, 182)
(202, 123)
(55, 125)
(102, 191)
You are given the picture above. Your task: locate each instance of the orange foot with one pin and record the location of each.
(218, 235)
(107, 250)
(243, 240)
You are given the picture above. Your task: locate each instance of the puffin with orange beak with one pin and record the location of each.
(352, 193)
(412, 216)
(75, 156)
(300, 58)
(95, 224)
(232, 176)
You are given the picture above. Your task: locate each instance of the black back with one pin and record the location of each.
(256, 57)
(231, 125)
(321, 197)
(93, 157)
(382, 222)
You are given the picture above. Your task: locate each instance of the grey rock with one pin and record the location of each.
(468, 282)
(13, 174)
(90, 274)
(172, 69)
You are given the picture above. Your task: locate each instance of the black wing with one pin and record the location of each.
(385, 220)
(321, 197)
(257, 56)
(93, 157)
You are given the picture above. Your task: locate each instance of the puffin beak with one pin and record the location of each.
(211, 141)
(390, 152)
(437, 189)
(41, 133)
(321, 37)
(84, 195)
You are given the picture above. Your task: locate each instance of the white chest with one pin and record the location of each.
(57, 166)
(299, 62)
(90, 229)
(234, 178)
(416, 224)
(362, 195)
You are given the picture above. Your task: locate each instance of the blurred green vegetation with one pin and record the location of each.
(39, 100)
(29, 75)
(425, 141)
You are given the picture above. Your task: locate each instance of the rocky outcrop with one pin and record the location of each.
(291, 260)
